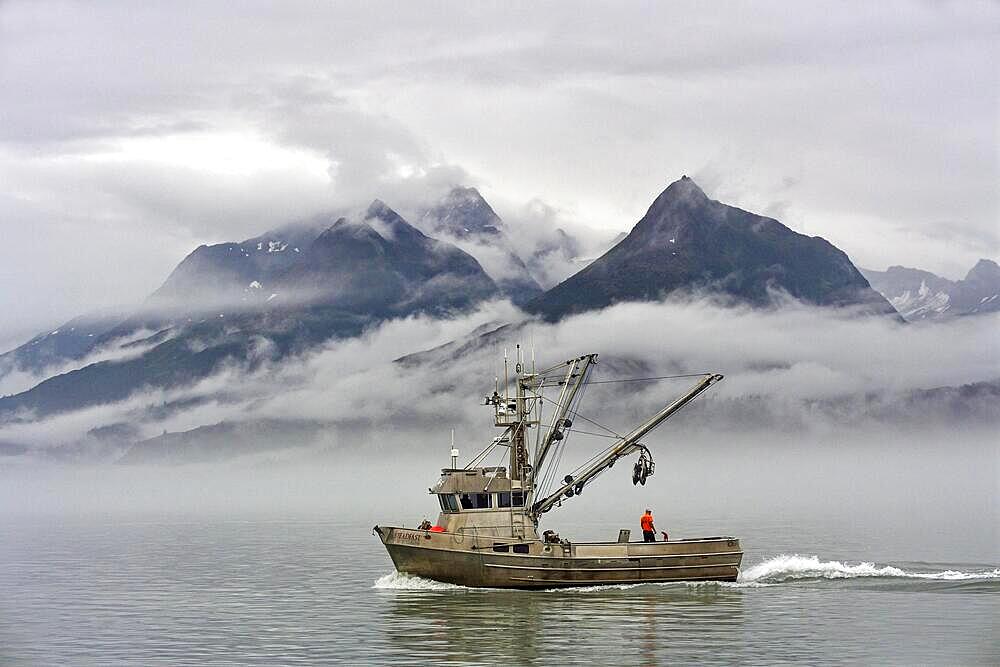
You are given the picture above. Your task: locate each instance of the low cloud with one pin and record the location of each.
(797, 369)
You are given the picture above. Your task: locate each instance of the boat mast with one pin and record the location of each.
(518, 412)
(520, 468)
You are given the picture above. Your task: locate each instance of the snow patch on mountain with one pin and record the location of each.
(923, 303)
(922, 295)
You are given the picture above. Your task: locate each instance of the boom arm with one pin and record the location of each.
(576, 373)
(626, 446)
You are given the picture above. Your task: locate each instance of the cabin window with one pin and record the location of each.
(501, 548)
(503, 499)
(520, 548)
(476, 501)
(517, 498)
(448, 502)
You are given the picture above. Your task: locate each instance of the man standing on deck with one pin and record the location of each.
(648, 529)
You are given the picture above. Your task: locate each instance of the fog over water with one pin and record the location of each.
(882, 549)
(934, 487)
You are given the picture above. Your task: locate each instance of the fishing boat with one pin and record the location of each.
(486, 534)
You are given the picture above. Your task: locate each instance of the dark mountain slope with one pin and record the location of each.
(231, 276)
(384, 265)
(687, 241)
(71, 341)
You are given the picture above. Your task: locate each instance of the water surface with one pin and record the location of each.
(299, 589)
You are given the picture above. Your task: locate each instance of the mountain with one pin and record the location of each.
(467, 220)
(352, 276)
(385, 266)
(233, 276)
(463, 213)
(688, 242)
(212, 278)
(915, 294)
(922, 295)
(69, 342)
(222, 441)
(556, 256)
(373, 267)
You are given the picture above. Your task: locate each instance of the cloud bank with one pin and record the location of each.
(792, 370)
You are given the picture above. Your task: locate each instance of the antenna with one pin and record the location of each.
(532, 342)
(506, 381)
(454, 452)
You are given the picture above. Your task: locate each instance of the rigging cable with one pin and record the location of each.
(556, 458)
(559, 456)
(587, 419)
(597, 435)
(601, 426)
(552, 470)
(608, 449)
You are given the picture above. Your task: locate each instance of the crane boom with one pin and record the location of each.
(576, 374)
(627, 445)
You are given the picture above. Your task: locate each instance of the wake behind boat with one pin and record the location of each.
(487, 532)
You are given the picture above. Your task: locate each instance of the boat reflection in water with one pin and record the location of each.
(450, 625)
(487, 532)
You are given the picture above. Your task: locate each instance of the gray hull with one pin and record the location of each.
(466, 560)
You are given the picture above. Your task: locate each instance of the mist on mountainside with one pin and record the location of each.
(796, 369)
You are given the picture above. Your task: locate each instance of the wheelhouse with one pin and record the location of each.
(484, 500)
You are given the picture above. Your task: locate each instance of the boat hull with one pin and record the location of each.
(466, 560)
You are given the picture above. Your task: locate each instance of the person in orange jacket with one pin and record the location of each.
(648, 529)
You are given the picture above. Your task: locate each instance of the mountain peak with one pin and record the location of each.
(468, 193)
(681, 203)
(379, 209)
(694, 244)
(985, 269)
(682, 191)
(464, 212)
(468, 198)
(344, 229)
(464, 216)
(390, 225)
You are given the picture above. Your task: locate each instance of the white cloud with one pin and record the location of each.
(798, 369)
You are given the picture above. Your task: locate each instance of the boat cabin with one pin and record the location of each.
(482, 501)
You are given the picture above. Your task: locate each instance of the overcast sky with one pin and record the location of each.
(132, 132)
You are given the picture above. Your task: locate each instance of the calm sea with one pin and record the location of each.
(200, 590)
